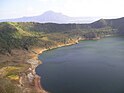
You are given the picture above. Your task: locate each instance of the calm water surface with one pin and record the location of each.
(87, 67)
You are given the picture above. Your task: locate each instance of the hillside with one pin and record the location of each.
(21, 42)
(28, 35)
(116, 24)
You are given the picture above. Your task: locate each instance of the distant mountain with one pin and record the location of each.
(53, 17)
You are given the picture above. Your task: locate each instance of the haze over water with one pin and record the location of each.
(87, 67)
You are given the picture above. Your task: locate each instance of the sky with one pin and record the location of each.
(73, 8)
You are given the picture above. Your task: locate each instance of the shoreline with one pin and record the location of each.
(59, 46)
(37, 79)
(28, 80)
(18, 68)
(40, 51)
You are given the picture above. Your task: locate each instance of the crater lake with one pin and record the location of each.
(94, 66)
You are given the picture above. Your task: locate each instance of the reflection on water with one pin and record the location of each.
(87, 67)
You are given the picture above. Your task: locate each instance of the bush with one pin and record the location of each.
(6, 86)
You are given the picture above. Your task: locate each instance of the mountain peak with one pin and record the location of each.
(52, 13)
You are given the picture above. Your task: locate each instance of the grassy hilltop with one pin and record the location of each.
(28, 35)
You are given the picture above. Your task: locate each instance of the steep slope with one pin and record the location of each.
(27, 35)
(117, 24)
(99, 24)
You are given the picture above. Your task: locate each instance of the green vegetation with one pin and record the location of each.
(28, 35)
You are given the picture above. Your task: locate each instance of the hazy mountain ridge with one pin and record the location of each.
(53, 17)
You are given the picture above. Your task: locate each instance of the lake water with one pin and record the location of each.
(87, 67)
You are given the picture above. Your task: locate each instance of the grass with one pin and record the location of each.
(12, 72)
(13, 77)
(6, 86)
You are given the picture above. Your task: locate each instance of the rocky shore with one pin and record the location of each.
(34, 62)
(27, 80)
(17, 73)
(18, 69)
